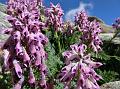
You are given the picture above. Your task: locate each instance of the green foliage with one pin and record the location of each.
(70, 39)
(101, 56)
(54, 65)
(58, 85)
(108, 76)
(5, 81)
(111, 62)
(53, 62)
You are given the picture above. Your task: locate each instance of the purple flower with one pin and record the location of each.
(69, 56)
(42, 38)
(68, 72)
(17, 36)
(54, 14)
(38, 59)
(80, 82)
(18, 48)
(26, 57)
(92, 64)
(116, 25)
(11, 19)
(6, 58)
(17, 68)
(26, 42)
(90, 31)
(25, 33)
(78, 60)
(43, 81)
(8, 31)
(18, 85)
(77, 50)
(31, 77)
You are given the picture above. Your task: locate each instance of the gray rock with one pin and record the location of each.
(3, 25)
(3, 8)
(3, 22)
(109, 36)
(111, 85)
(105, 28)
(106, 36)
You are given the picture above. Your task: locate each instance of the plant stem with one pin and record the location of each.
(118, 31)
(57, 38)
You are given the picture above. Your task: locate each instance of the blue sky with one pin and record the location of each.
(107, 10)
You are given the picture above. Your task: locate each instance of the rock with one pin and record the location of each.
(3, 8)
(3, 22)
(111, 85)
(108, 36)
(3, 25)
(105, 28)
(92, 18)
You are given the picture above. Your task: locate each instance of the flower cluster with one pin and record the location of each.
(116, 25)
(81, 20)
(24, 49)
(79, 63)
(54, 14)
(90, 31)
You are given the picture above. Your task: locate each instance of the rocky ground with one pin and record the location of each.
(3, 23)
(111, 85)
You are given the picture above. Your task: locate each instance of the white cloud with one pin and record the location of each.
(83, 6)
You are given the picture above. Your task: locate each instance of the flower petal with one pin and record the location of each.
(18, 69)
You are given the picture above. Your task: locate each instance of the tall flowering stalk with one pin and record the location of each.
(54, 14)
(55, 22)
(79, 63)
(116, 25)
(90, 31)
(24, 49)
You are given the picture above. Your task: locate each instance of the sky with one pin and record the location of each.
(107, 10)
